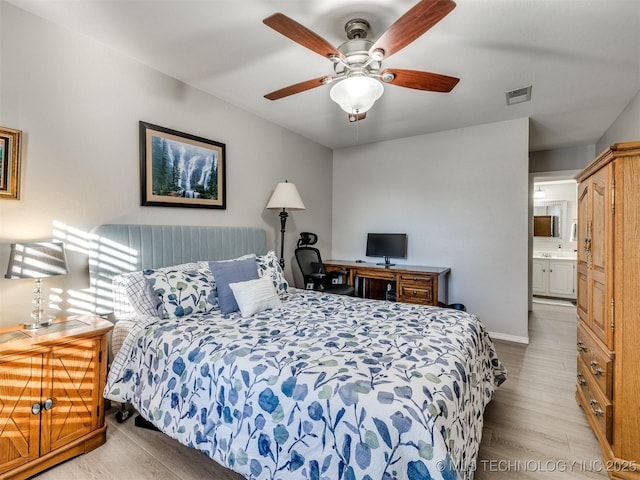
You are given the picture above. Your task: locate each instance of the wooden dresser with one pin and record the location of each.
(409, 283)
(51, 403)
(608, 305)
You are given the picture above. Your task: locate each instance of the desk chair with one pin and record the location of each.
(315, 276)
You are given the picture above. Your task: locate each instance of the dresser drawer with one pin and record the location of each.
(599, 362)
(415, 280)
(595, 404)
(416, 295)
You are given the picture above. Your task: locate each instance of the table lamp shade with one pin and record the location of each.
(285, 196)
(37, 260)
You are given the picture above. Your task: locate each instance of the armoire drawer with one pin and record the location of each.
(595, 404)
(598, 362)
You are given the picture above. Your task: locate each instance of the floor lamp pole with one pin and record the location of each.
(283, 221)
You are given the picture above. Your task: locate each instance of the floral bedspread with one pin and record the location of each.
(328, 387)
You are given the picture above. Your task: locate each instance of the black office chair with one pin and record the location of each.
(313, 272)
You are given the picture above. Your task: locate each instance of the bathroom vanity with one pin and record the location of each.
(554, 275)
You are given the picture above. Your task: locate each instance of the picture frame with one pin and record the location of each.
(178, 169)
(10, 141)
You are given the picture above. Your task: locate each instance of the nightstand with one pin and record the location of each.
(51, 402)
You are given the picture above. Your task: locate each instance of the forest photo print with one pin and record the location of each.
(180, 170)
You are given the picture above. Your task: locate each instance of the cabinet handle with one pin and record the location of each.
(581, 380)
(597, 371)
(48, 404)
(581, 347)
(415, 293)
(596, 411)
(35, 408)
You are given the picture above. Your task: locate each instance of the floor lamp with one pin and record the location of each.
(285, 197)
(37, 260)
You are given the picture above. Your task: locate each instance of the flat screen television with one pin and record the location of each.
(387, 245)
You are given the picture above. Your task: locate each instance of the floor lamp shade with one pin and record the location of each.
(284, 197)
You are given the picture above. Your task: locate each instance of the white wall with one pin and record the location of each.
(462, 197)
(561, 159)
(626, 127)
(78, 105)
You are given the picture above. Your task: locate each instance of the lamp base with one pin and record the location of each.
(37, 325)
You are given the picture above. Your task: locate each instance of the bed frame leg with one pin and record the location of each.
(141, 422)
(124, 413)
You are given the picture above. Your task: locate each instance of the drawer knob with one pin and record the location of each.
(48, 404)
(581, 380)
(415, 279)
(35, 408)
(597, 371)
(415, 293)
(581, 347)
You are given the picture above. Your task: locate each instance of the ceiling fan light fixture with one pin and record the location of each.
(356, 94)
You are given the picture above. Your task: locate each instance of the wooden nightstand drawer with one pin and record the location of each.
(598, 362)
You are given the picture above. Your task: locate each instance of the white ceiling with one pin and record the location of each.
(581, 56)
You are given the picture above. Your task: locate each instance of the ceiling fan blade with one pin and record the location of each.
(433, 82)
(301, 34)
(416, 21)
(297, 88)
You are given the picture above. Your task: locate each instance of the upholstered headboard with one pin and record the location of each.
(116, 249)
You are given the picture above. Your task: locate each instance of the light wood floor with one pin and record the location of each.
(533, 427)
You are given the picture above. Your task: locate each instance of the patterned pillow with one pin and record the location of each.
(268, 265)
(133, 296)
(182, 292)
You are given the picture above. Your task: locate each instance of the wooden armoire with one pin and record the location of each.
(608, 305)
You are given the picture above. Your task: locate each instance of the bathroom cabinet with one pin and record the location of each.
(554, 277)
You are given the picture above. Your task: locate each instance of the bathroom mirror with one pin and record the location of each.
(549, 218)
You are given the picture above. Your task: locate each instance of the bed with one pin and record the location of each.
(318, 386)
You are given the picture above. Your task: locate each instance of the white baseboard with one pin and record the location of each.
(509, 338)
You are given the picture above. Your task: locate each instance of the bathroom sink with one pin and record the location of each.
(555, 255)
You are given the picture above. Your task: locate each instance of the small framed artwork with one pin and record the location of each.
(10, 162)
(181, 170)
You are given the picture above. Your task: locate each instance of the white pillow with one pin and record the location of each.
(254, 296)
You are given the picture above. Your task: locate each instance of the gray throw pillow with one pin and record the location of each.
(225, 273)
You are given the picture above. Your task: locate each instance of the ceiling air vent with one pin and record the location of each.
(519, 95)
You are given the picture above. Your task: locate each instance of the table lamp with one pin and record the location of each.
(285, 197)
(37, 260)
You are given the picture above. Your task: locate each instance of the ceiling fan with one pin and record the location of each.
(359, 77)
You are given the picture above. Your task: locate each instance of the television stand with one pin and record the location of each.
(387, 262)
(410, 283)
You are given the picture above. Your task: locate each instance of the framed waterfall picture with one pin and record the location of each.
(181, 170)
(9, 162)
